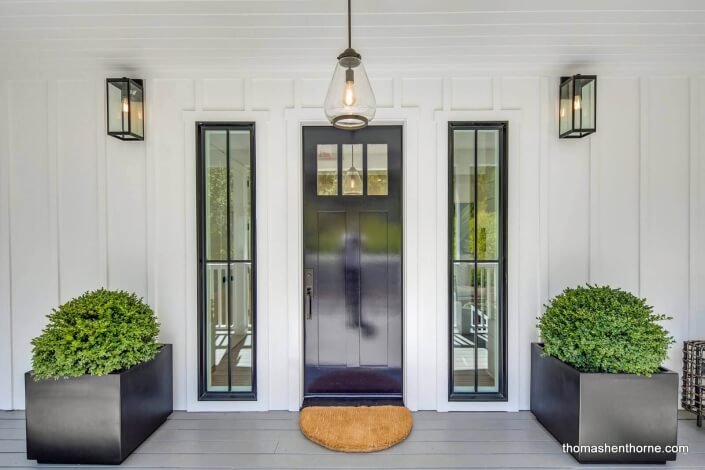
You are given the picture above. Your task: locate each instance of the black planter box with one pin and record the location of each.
(97, 420)
(594, 409)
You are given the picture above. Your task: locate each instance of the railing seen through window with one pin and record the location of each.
(477, 249)
(226, 176)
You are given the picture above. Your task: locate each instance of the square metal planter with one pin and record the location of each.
(594, 409)
(97, 420)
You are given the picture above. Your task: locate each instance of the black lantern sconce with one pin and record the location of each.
(125, 104)
(578, 106)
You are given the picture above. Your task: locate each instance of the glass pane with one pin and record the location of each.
(117, 106)
(240, 196)
(217, 326)
(463, 328)
(476, 328)
(585, 104)
(487, 327)
(565, 107)
(463, 194)
(352, 169)
(327, 170)
(216, 192)
(377, 174)
(241, 327)
(487, 194)
(137, 111)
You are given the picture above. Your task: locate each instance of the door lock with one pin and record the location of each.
(308, 293)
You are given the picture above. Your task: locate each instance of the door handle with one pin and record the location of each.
(308, 293)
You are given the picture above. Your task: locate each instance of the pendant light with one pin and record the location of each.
(352, 181)
(350, 102)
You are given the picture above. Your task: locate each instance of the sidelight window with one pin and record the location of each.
(227, 313)
(477, 248)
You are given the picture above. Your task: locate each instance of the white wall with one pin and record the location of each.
(80, 210)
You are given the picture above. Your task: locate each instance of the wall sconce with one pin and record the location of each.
(125, 104)
(578, 104)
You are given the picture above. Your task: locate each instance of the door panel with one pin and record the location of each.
(352, 246)
(330, 291)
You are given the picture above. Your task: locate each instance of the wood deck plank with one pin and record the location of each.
(272, 440)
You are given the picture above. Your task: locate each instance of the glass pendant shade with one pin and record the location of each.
(352, 182)
(350, 102)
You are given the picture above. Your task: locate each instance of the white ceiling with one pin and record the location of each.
(288, 35)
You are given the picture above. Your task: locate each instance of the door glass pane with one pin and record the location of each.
(463, 236)
(240, 203)
(487, 326)
(215, 193)
(487, 194)
(327, 170)
(241, 327)
(463, 307)
(217, 326)
(352, 169)
(377, 174)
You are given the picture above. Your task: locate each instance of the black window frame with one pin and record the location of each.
(201, 127)
(501, 395)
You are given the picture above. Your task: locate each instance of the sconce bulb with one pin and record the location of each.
(562, 112)
(125, 106)
(576, 103)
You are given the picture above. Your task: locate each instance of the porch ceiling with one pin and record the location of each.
(288, 34)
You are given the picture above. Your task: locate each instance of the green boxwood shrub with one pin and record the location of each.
(600, 329)
(97, 333)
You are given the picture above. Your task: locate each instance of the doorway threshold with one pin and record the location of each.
(352, 401)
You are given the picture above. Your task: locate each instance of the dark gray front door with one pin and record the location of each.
(352, 238)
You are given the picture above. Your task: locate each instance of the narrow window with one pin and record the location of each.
(226, 234)
(477, 267)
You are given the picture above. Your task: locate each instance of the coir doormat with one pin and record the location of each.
(356, 428)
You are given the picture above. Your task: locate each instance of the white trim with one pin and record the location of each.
(514, 154)
(6, 352)
(261, 120)
(295, 120)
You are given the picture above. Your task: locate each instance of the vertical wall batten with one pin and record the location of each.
(6, 343)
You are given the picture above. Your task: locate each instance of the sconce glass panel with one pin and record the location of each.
(577, 106)
(125, 108)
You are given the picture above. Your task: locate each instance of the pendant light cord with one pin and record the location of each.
(349, 27)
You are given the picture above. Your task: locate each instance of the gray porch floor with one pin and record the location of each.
(272, 440)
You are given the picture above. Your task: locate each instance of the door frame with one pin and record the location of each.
(363, 170)
(296, 119)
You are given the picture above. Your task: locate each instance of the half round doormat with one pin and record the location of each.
(356, 428)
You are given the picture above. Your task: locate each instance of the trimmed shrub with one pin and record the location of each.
(97, 333)
(600, 329)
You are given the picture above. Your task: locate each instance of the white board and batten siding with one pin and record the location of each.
(80, 210)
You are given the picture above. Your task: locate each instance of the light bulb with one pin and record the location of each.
(349, 98)
(562, 111)
(125, 106)
(576, 103)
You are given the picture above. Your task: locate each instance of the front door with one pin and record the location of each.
(352, 237)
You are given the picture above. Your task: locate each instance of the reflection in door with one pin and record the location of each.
(352, 247)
